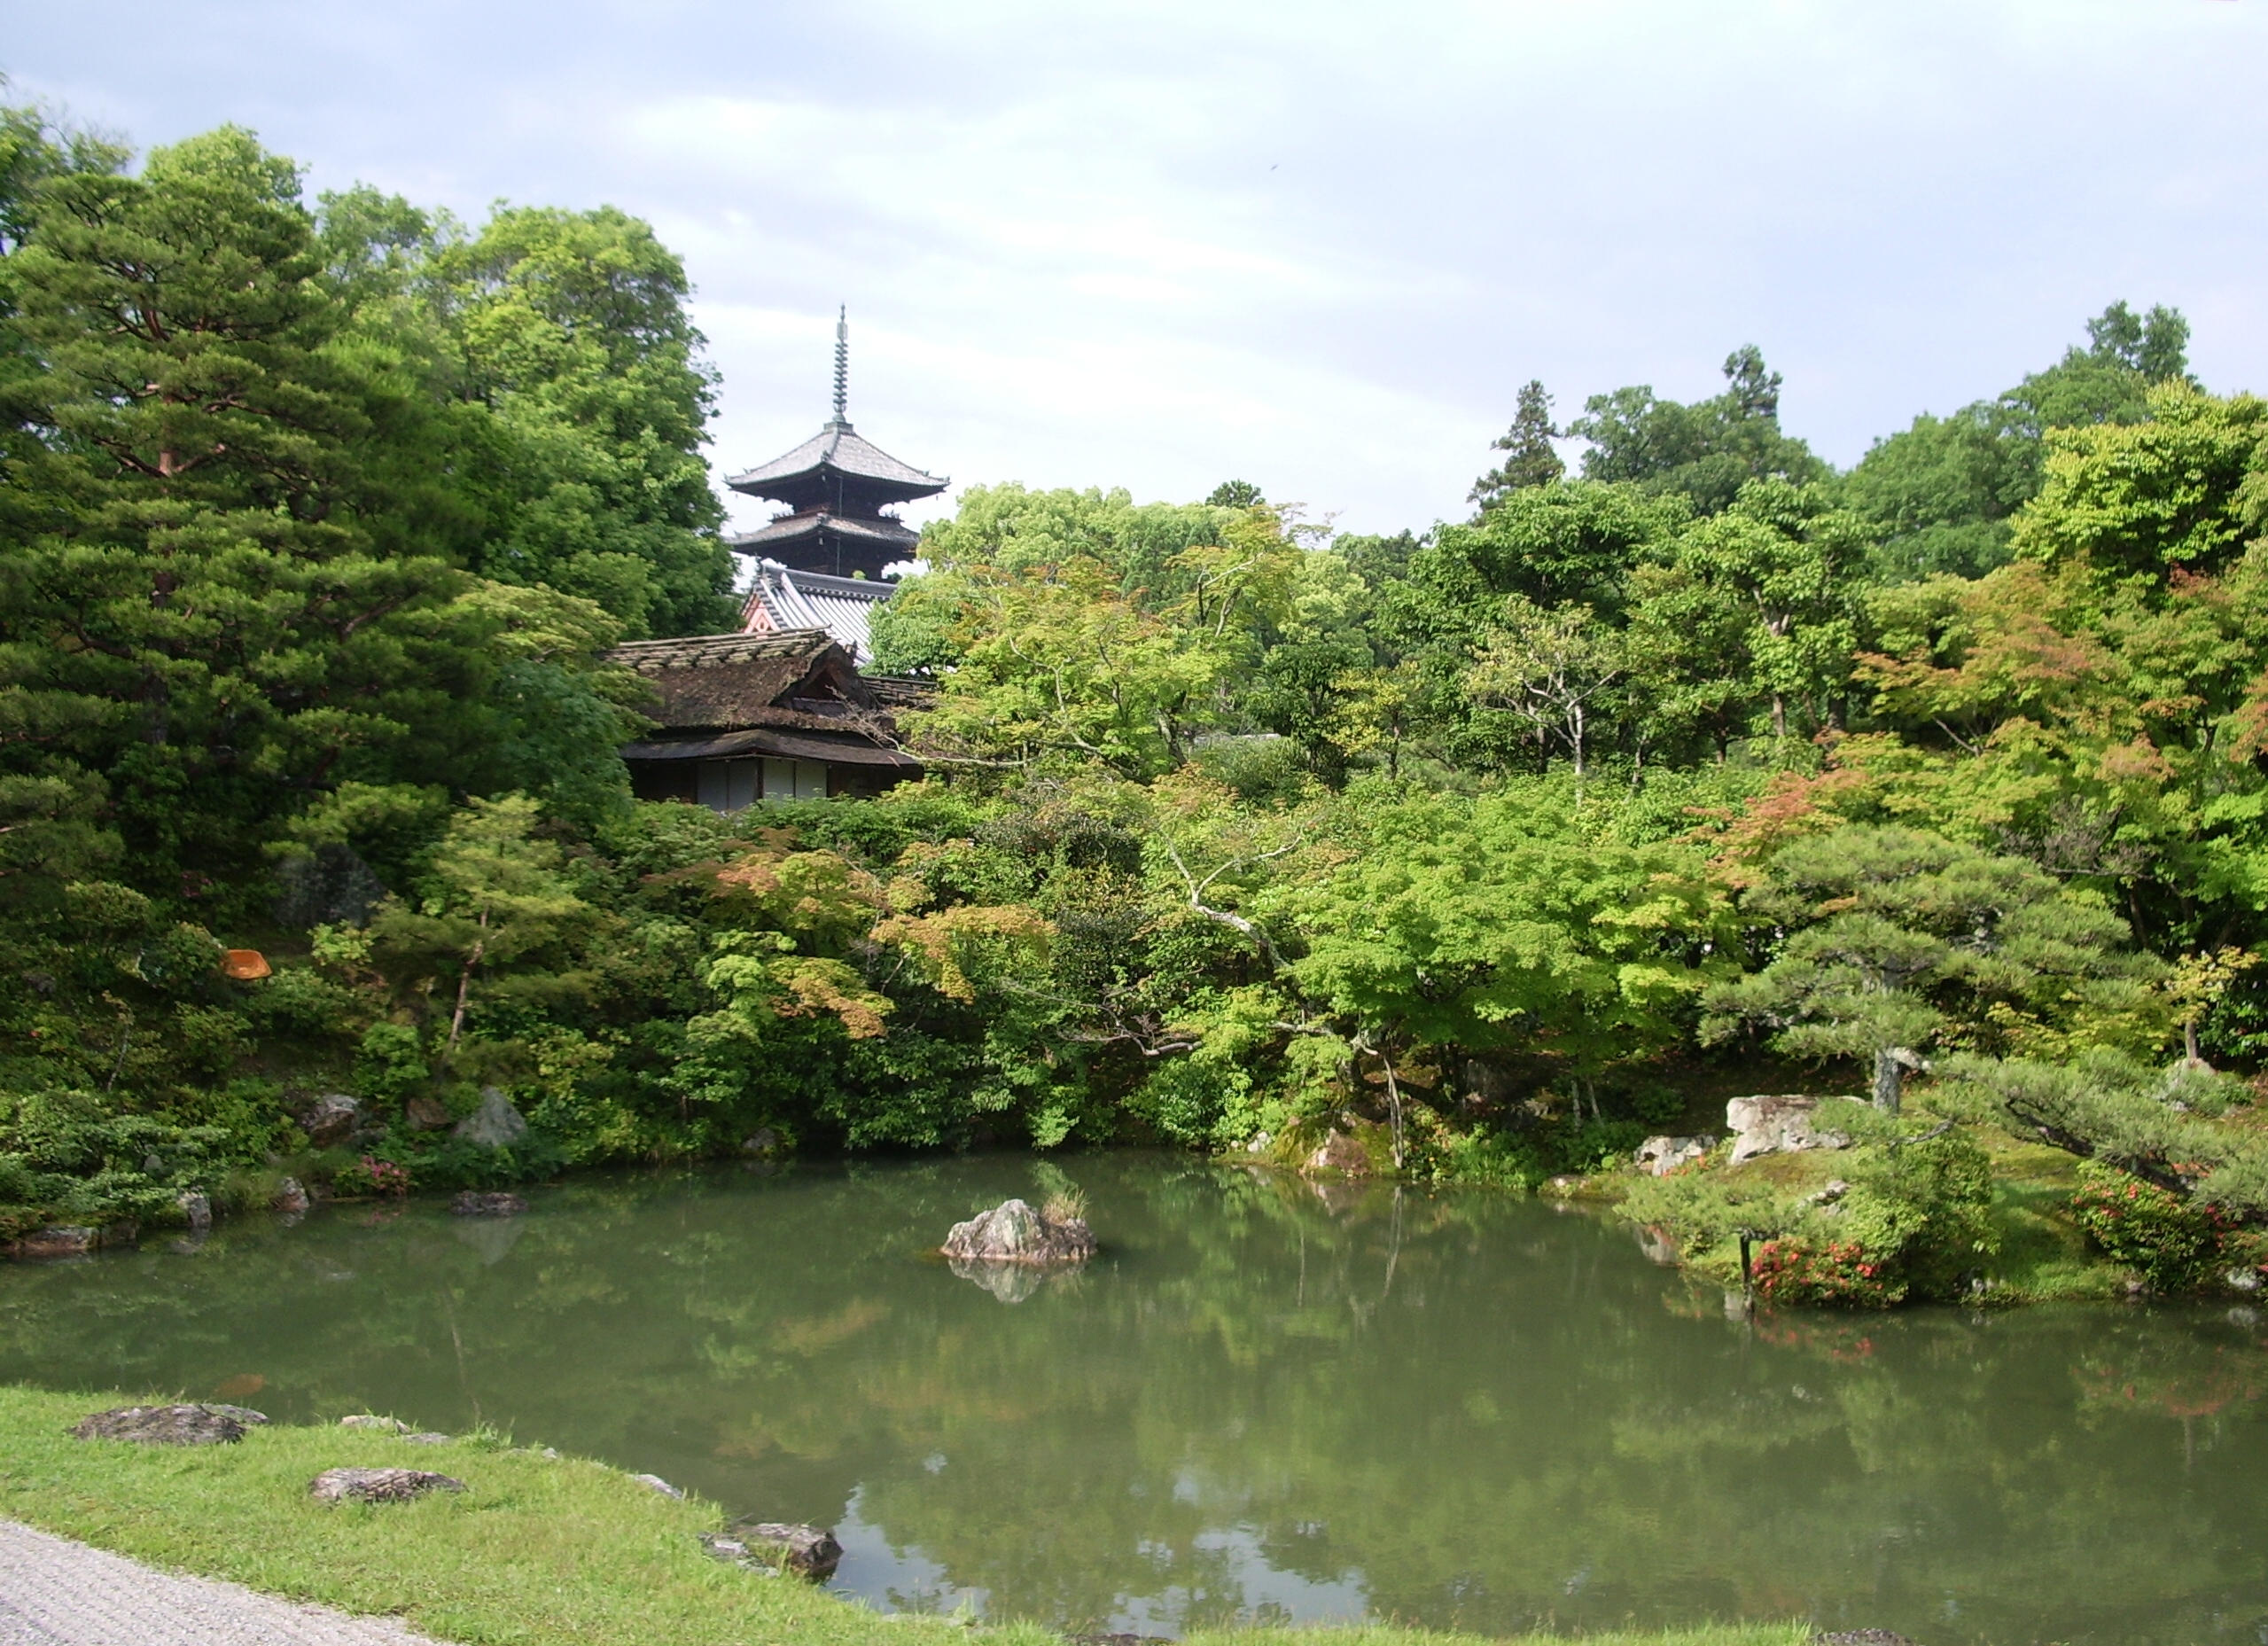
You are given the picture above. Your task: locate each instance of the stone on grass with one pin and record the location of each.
(1340, 1153)
(1664, 1155)
(495, 1124)
(472, 1203)
(1765, 1125)
(371, 1419)
(1012, 1232)
(807, 1551)
(206, 1424)
(378, 1486)
(430, 1437)
(1859, 1637)
(655, 1483)
(330, 1119)
(425, 1114)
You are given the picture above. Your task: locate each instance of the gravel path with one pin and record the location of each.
(57, 1593)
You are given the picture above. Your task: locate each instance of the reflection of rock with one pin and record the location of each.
(207, 1424)
(1777, 1125)
(472, 1203)
(495, 1124)
(807, 1551)
(378, 1486)
(1662, 1156)
(1012, 1232)
(1339, 1153)
(490, 1236)
(1659, 1245)
(331, 1119)
(1010, 1283)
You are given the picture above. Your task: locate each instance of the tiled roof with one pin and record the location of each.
(839, 447)
(791, 528)
(784, 599)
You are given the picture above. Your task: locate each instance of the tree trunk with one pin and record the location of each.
(464, 981)
(1889, 1077)
(1778, 716)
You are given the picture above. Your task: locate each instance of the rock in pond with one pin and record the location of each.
(495, 1124)
(196, 1210)
(807, 1551)
(292, 1197)
(378, 1486)
(203, 1424)
(472, 1203)
(330, 1119)
(63, 1240)
(1777, 1125)
(1012, 1232)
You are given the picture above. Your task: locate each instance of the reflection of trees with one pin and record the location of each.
(1475, 1410)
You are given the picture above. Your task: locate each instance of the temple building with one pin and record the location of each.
(746, 718)
(823, 562)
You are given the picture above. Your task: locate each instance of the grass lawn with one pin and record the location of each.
(537, 1551)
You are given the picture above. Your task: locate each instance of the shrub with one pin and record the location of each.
(2174, 1242)
(1833, 1273)
(369, 1175)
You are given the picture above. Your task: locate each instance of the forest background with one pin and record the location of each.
(1476, 853)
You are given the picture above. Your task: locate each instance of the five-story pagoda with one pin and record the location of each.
(836, 486)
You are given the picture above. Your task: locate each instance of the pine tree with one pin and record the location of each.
(1531, 459)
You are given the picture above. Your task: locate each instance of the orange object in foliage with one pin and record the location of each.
(244, 965)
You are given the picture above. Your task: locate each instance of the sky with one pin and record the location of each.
(1317, 246)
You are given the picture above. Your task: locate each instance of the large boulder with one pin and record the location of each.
(330, 1119)
(495, 1124)
(1339, 1153)
(205, 1425)
(1012, 1232)
(378, 1486)
(1764, 1126)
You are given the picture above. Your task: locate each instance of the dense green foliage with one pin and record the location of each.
(318, 523)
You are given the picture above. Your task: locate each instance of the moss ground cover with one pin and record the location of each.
(539, 1549)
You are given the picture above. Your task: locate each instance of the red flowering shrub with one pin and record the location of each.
(2174, 1242)
(371, 1177)
(1833, 1272)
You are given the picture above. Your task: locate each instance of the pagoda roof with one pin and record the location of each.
(837, 449)
(788, 529)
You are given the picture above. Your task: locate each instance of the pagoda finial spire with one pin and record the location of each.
(842, 363)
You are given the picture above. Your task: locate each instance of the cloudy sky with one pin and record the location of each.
(1312, 245)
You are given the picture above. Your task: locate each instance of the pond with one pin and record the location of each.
(1264, 1400)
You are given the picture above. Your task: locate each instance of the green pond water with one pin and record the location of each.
(1264, 1400)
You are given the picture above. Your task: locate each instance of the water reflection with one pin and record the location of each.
(1259, 1402)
